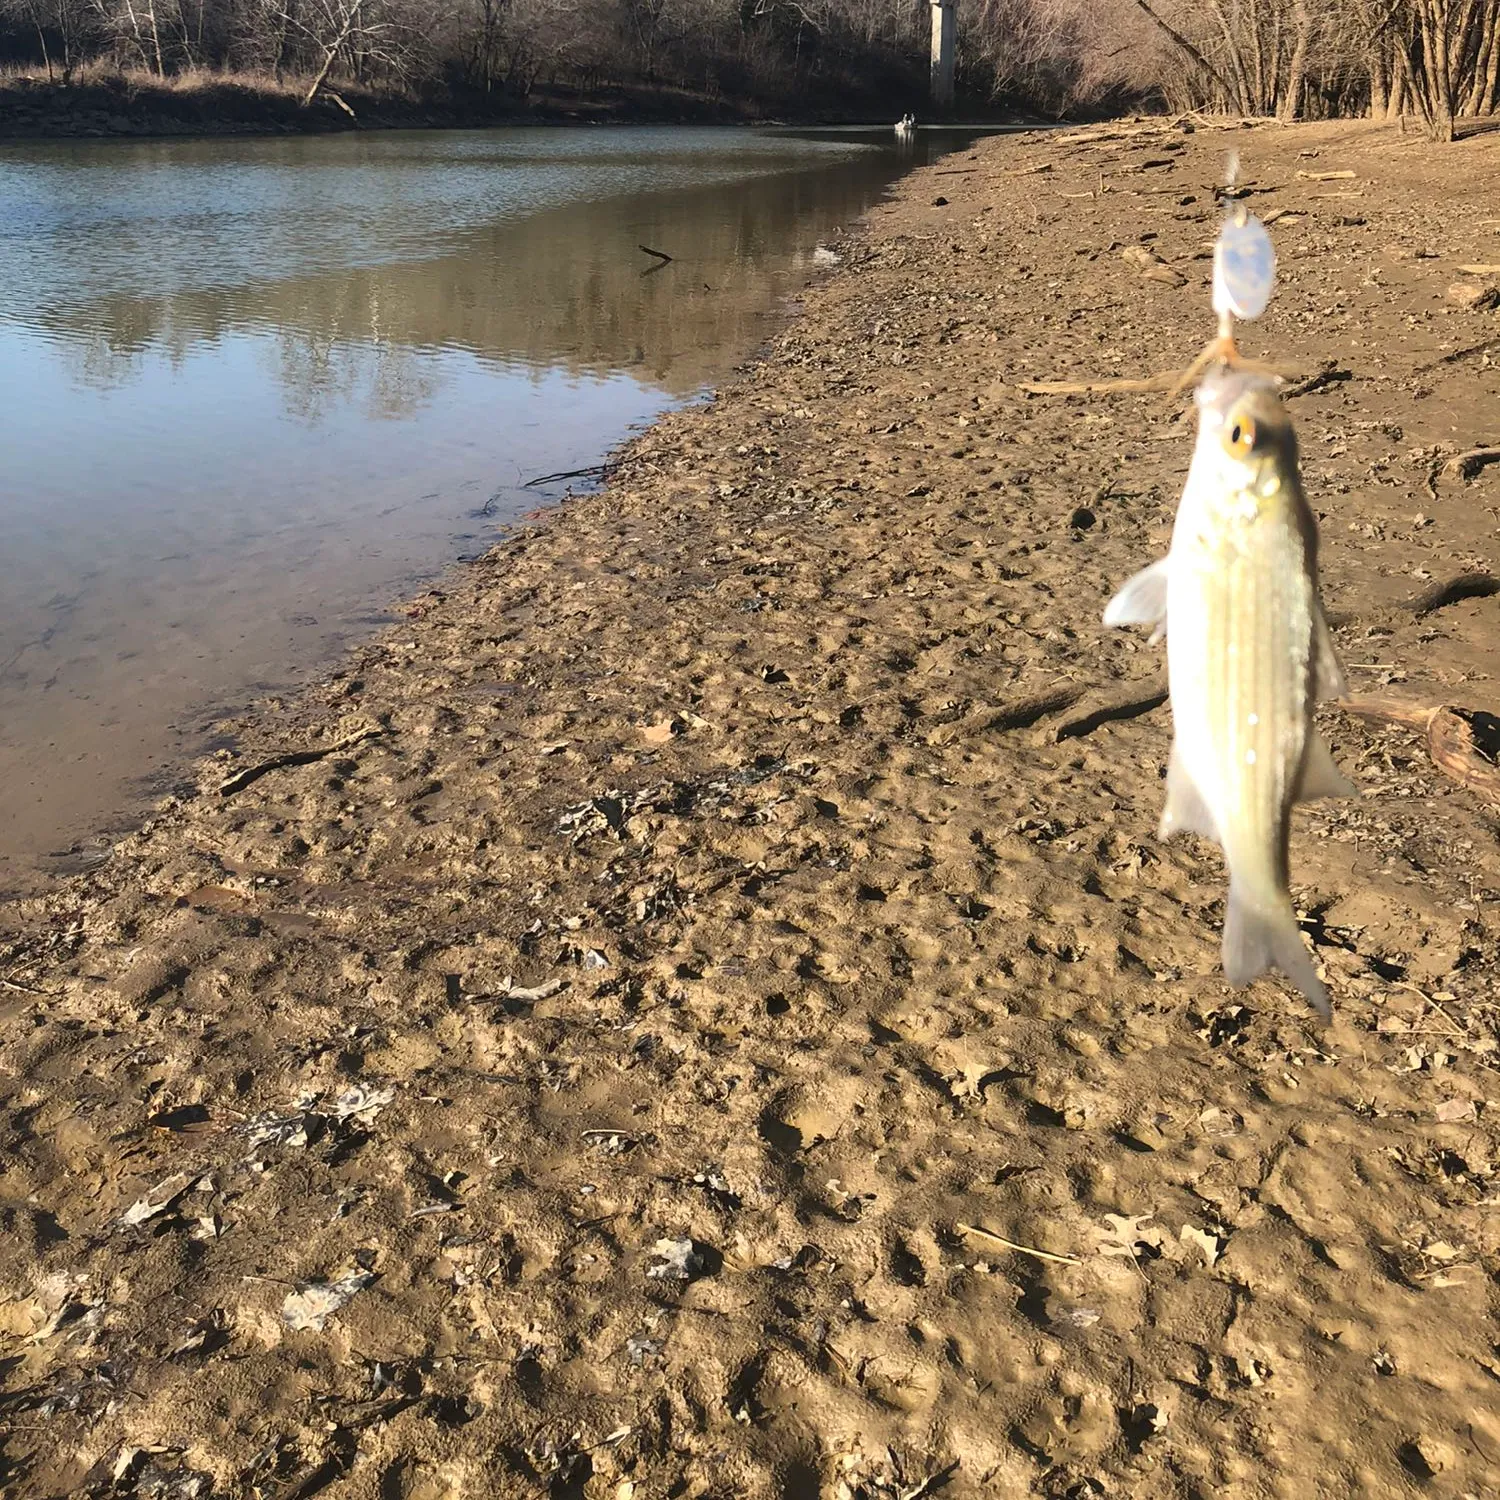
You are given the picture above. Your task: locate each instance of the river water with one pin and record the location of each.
(256, 390)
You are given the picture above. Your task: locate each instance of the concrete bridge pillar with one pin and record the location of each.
(943, 29)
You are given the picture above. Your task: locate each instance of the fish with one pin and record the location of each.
(1249, 655)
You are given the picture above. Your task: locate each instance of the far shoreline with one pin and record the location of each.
(141, 107)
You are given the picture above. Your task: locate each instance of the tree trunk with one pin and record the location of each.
(1433, 79)
(1245, 104)
(1378, 73)
(351, 19)
(161, 71)
(1291, 100)
(1400, 86)
(41, 36)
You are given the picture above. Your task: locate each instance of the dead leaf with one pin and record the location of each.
(158, 1200)
(677, 1260)
(1126, 1235)
(661, 733)
(311, 1307)
(362, 1103)
(1450, 1111)
(1205, 1240)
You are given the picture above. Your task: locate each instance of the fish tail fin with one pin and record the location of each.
(1257, 938)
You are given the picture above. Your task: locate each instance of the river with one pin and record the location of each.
(257, 390)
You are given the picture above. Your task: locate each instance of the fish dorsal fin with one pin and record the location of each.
(1186, 811)
(1142, 601)
(1329, 680)
(1320, 777)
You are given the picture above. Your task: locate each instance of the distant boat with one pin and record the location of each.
(906, 127)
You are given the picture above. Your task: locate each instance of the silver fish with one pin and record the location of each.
(1248, 656)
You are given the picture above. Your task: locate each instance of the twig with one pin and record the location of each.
(591, 471)
(23, 989)
(661, 255)
(241, 779)
(999, 1239)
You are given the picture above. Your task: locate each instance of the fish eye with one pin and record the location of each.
(1239, 439)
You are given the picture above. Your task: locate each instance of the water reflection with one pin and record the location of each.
(256, 388)
(568, 287)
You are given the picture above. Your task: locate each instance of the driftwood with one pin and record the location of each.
(1462, 742)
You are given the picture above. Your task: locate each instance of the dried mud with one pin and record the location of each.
(740, 857)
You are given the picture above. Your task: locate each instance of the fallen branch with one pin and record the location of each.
(661, 255)
(1025, 712)
(1330, 374)
(1467, 465)
(1169, 380)
(1468, 352)
(241, 779)
(999, 1239)
(1465, 586)
(1162, 382)
(1341, 176)
(1461, 742)
(1108, 712)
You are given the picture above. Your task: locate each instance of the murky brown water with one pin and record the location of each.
(255, 389)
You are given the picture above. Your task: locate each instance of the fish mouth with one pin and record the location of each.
(1227, 384)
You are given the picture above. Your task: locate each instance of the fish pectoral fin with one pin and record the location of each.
(1142, 601)
(1329, 677)
(1186, 811)
(1320, 776)
(1257, 938)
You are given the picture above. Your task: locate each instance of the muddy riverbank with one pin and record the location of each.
(572, 1048)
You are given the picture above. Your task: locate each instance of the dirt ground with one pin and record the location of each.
(710, 909)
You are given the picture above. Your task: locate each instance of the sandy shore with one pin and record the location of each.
(706, 906)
